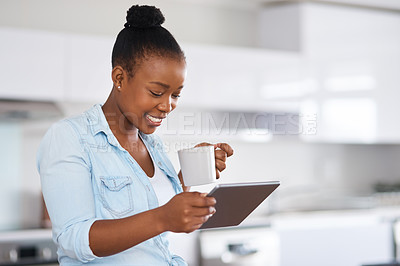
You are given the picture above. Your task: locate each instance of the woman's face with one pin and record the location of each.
(152, 93)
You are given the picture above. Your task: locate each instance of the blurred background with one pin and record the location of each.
(306, 92)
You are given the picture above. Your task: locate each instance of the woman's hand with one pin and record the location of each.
(187, 211)
(222, 151)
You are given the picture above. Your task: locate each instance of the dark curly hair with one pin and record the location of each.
(143, 36)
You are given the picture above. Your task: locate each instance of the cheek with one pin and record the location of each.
(136, 101)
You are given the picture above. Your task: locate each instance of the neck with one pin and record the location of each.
(119, 124)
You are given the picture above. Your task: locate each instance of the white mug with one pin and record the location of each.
(197, 165)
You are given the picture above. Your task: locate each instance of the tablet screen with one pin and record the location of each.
(236, 201)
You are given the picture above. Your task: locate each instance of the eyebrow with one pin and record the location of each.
(166, 86)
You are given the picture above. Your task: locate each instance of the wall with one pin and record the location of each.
(343, 168)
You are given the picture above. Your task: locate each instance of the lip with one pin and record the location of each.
(154, 123)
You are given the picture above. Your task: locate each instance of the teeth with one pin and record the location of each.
(154, 119)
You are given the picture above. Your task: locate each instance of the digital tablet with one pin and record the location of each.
(236, 201)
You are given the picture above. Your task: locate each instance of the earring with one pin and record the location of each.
(119, 87)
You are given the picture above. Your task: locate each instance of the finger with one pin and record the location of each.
(199, 221)
(220, 165)
(204, 211)
(204, 202)
(197, 199)
(225, 147)
(217, 173)
(193, 227)
(195, 194)
(196, 226)
(203, 144)
(220, 155)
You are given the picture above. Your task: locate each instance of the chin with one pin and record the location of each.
(148, 130)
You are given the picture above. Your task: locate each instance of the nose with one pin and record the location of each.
(166, 105)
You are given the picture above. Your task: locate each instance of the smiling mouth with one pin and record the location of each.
(154, 119)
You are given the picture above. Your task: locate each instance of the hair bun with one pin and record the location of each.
(144, 17)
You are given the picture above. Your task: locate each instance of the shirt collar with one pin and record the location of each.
(98, 123)
(97, 120)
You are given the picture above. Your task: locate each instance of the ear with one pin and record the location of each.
(118, 75)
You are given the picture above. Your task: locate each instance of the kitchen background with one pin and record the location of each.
(306, 92)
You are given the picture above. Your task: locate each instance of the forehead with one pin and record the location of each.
(164, 68)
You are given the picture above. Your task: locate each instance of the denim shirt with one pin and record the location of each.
(87, 175)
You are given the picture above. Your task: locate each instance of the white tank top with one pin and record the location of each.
(161, 185)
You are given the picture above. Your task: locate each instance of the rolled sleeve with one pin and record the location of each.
(74, 241)
(65, 173)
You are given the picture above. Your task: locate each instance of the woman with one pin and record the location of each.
(98, 169)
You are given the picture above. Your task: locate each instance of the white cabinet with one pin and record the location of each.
(31, 64)
(39, 65)
(232, 78)
(218, 77)
(356, 62)
(350, 74)
(48, 66)
(356, 102)
(346, 238)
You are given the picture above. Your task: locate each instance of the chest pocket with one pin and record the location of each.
(116, 194)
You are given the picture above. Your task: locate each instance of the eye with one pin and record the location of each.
(175, 96)
(156, 94)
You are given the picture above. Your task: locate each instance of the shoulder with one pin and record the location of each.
(59, 137)
(67, 132)
(77, 125)
(69, 127)
(62, 139)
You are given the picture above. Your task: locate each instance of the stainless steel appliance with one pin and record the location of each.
(239, 246)
(27, 247)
